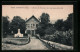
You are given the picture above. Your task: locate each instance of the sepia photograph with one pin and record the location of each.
(37, 27)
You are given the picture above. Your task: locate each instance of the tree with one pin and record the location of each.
(59, 24)
(43, 24)
(17, 23)
(64, 25)
(50, 29)
(5, 27)
(44, 18)
(40, 31)
(68, 22)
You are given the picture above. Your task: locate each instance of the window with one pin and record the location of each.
(28, 25)
(33, 24)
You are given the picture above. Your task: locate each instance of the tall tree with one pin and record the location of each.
(43, 24)
(68, 22)
(17, 23)
(64, 25)
(44, 18)
(5, 26)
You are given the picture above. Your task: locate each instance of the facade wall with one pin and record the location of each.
(31, 26)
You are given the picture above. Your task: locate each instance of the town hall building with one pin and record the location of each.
(31, 25)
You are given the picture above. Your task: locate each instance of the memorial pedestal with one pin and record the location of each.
(18, 34)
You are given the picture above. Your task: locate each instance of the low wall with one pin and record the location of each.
(57, 46)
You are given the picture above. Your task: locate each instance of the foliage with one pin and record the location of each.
(63, 37)
(50, 29)
(43, 24)
(68, 22)
(40, 31)
(60, 32)
(5, 28)
(44, 18)
(46, 28)
(64, 25)
(17, 23)
(58, 24)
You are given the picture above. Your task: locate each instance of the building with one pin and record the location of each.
(31, 25)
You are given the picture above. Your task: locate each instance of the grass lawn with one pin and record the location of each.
(16, 41)
(11, 42)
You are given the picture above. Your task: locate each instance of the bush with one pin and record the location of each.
(63, 37)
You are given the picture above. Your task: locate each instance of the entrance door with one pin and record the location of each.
(32, 32)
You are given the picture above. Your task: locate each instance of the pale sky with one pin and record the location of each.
(26, 11)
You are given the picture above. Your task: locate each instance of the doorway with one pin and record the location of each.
(33, 32)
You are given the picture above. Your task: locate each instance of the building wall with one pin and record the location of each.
(31, 25)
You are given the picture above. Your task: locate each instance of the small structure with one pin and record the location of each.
(18, 34)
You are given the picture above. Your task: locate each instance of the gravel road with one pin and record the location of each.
(35, 44)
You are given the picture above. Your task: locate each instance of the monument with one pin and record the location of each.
(18, 34)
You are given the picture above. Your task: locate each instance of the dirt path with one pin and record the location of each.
(35, 44)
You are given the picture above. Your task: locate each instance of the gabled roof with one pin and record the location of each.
(33, 17)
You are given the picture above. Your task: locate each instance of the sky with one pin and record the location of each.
(26, 11)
